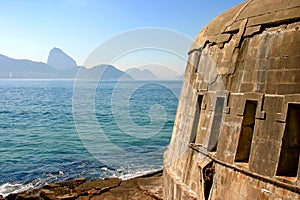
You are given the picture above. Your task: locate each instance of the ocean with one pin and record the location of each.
(52, 131)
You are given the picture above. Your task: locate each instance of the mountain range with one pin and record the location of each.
(61, 66)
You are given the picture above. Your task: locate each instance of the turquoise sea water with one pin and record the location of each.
(41, 143)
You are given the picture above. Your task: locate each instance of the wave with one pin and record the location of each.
(11, 188)
(137, 174)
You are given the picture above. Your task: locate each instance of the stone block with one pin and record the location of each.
(250, 64)
(244, 190)
(286, 14)
(265, 195)
(288, 37)
(232, 85)
(220, 56)
(223, 38)
(260, 87)
(246, 87)
(296, 36)
(247, 77)
(240, 65)
(262, 162)
(274, 47)
(263, 64)
(252, 30)
(236, 187)
(274, 76)
(243, 49)
(252, 52)
(283, 4)
(289, 49)
(289, 76)
(271, 88)
(283, 62)
(253, 193)
(293, 62)
(287, 88)
(261, 76)
(273, 63)
(237, 79)
(297, 76)
(261, 19)
(269, 18)
(233, 27)
(254, 41)
(297, 89)
(251, 10)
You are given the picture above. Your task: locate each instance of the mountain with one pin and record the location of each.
(163, 72)
(138, 74)
(104, 72)
(179, 77)
(14, 68)
(60, 60)
(62, 66)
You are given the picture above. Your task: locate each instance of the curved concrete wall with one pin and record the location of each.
(236, 133)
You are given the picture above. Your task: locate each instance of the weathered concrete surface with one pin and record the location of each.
(237, 132)
(146, 188)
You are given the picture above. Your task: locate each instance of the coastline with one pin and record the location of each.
(147, 187)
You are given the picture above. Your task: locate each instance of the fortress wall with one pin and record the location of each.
(236, 133)
(234, 185)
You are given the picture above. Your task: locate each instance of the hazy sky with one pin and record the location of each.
(30, 28)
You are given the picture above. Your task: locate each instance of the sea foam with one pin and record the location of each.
(11, 188)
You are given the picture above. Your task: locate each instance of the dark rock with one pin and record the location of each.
(51, 186)
(112, 182)
(109, 188)
(11, 196)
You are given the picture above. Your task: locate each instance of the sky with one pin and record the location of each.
(31, 28)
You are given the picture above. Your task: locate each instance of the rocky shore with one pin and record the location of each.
(147, 187)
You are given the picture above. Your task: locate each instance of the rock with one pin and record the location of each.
(112, 182)
(23, 196)
(67, 196)
(153, 185)
(110, 188)
(46, 191)
(47, 194)
(11, 196)
(83, 198)
(50, 186)
(80, 179)
(60, 60)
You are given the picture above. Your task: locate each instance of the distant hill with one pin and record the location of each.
(104, 72)
(13, 68)
(179, 77)
(62, 66)
(60, 60)
(163, 72)
(59, 66)
(138, 74)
